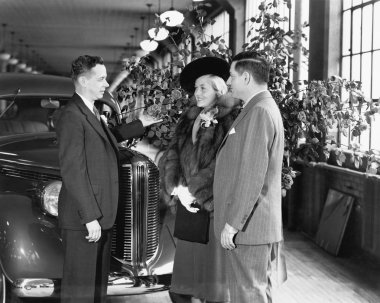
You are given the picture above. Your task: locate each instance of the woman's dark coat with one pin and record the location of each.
(193, 164)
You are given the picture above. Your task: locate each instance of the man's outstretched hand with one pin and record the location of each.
(148, 120)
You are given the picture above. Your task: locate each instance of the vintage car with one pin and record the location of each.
(30, 244)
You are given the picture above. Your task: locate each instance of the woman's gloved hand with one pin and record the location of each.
(186, 198)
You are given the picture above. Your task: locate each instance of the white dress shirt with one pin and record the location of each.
(88, 103)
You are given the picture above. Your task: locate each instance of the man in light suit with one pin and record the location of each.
(247, 184)
(88, 156)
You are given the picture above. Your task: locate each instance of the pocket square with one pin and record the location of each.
(232, 131)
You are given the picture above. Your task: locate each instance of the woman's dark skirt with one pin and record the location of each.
(199, 269)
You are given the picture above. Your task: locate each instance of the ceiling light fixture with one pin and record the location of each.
(28, 69)
(172, 17)
(160, 33)
(21, 65)
(148, 45)
(4, 55)
(12, 60)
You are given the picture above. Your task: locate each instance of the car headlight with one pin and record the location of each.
(49, 197)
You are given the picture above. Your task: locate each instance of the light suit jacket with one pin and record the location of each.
(247, 182)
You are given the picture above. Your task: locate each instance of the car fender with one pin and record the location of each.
(30, 244)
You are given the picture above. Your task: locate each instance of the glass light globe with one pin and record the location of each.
(13, 61)
(162, 33)
(4, 56)
(149, 45)
(21, 65)
(172, 18)
(141, 53)
(28, 69)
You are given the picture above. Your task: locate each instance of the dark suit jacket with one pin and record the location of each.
(88, 156)
(247, 182)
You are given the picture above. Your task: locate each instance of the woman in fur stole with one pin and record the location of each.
(187, 173)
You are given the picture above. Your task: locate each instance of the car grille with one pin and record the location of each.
(136, 231)
(135, 238)
(27, 174)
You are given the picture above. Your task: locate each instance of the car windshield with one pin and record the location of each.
(29, 115)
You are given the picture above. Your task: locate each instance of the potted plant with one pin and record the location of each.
(310, 109)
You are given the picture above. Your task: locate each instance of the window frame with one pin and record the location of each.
(349, 9)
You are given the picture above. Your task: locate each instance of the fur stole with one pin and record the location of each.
(193, 164)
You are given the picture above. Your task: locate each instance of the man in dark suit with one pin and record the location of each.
(247, 183)
(88, 156)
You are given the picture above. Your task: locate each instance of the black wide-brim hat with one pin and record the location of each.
(200, 67)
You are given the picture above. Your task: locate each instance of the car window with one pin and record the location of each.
(26, 115)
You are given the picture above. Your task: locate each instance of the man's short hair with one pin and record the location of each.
(83, 64)
(254, 64)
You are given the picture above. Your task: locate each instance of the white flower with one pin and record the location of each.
(207, 117)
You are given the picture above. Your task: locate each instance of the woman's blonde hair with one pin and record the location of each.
(217, 83)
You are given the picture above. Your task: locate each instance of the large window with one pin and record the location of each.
(297, 15)
(220, 27)
(361, 59)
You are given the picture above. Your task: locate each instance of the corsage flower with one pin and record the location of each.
(208, 117)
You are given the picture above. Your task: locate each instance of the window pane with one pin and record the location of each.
(346, 4)
(356, 32)
(354, 139)
(355, 68)
(364, 139)
(376, 25)
(365, 1)
(345, 74)
(346, 67)
(376, 77)
(343, 139)
(366, 74)
(346, 33)
(367, 28)
(375, 138)
(356, 2)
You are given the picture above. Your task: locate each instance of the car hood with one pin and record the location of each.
(30, 149)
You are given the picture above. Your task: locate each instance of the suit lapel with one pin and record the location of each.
(244, 112)
(93, 121)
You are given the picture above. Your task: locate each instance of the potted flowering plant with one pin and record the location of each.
(310, 110)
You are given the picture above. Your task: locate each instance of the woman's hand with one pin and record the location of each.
(186, 198)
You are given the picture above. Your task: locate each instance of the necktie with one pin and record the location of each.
(96, 112)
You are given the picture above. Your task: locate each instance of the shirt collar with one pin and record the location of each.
(88, 103)
(250, 98)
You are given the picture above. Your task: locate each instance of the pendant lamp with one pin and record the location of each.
(21, 65)
(160, 33)
(12, 60)
(172, 17)
(4, 55)
(148, 45)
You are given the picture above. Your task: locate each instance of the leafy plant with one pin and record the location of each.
(310, 109)
(159, 88)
